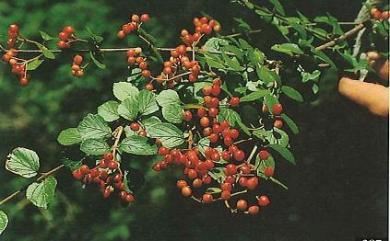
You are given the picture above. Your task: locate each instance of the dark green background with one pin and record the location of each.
(338, 190)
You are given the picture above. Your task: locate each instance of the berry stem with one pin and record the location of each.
(39, 179)
(117, 134)
(252, 154)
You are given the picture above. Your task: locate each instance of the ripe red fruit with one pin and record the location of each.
(13, 28)
(145, 17)
(215, 90)
(204, 121)
(243, 181)
(149, 87)
(163, 151)
(253, 210)
(197, 183)
(186, 191)
(226, 187)
(230, 170)
(375, 13)
(181, 183)
(246, 169)
(206, 179)
(385, 15)
(263, 155)
(207, 198)
(63, 36)
(201, 112)
(77, 59)
(134, 126)
(68, 30)
(206, 90)
(146, 73)
(213, 112)
(77, 174)
(234, 101)
(225, 195)
(242, 205)
(268, 171)
(227, 141)
(62, 44)
(108, 156)
(277, 109)
(213, 138)
(230, 179)
(263, 201)
(234, 133)
(226, 155)
(23, 81)
(130, 198)
(187, 116)
(121, 34)
(278, 124)
(252, 183)
(113, 165)
(84, 169)
(106, 192)
(192, 174)
(239, 155)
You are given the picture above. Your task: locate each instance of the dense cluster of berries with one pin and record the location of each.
(134, 59)
(377, 14)
(107, 175)
(202, 25)
(66, 37)
(134, 24)
(77, 70)
(199, 162)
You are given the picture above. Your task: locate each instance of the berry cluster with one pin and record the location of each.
(134, 59)
(202, 25)
(107, 175)
(134, 24)
(77, 70)
(223, 154)
(18, 66)
(377, 14)
(136, 127)
(66, 37)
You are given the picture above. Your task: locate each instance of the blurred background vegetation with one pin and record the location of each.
(338, 190)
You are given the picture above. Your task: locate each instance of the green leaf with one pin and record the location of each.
(202, 144)
(48, 54)
(23, 162)
(292, 93)
(169, 135)
(256, 57)
(109, 111)
(150, 121)
(168, 97)
(254, 96)
(278, 7)
(270, 100)
(287, 48)
(72, 165)
(69, 137)
(214, 44)
(45, 36)
(138, 145)
(42, 194)
(3, 221)
(265, 74)
(96, 61)
(147, 102)
(33, 65)
(291, 124)
(128, 109)
(94, 147)
(93, 127)
(230, 115)
(124, 90)
(173, 113)
(306, 76)
(284, 152)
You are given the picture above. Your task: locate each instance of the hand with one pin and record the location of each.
(380, 64)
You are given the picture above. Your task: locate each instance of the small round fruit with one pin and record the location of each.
(108, 156)
(268, 171)
(77, 59)
(230, 169)
(113, 165)
(252, 183)
(277, 109)
(239, 155)
(134, 126)
(187, 116)
(225, 195)
(145, 17)
(181, 183)
(263, 201)
(263, 155)
(204, 121)
(234, 101)
(242, 205)
(253, 210)
(207, 198)
(278, 124)
(186, 191)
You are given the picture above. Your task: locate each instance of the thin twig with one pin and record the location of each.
(117, 133)
(346, 35)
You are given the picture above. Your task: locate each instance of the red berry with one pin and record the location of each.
(234, 133)
(206, 90)
(77, 59)
(106, 192)
(23, 81)
(13, 28)
(278, 124)
(226, 187)
(263, 201)
(68, 30)
(230, 179)
(213, 138)
(146, 73)
(268, 171)
(163, 151)
(224, 124)
(243, 181)
(385, 15)
(192, 174)
(226, 155)
(121, 34)
(207, 198)
(277, 109)
(201, 112)
(263, 155)
(130, 198)
(197, 183)
(145, 18)
(246, 169)
(63, 36)
(187, 116)
(252, 183)
(234, 101)
(230, 169)
(375, 13)
(113, 165)
(227, 141)
(149, 86)
(186, 191)
(108, 156)
(253, 210)
(215, 90)
(134, 126)
(242, 205)
(77, 174)
(213, 112)
(225, 195)
(181, 183)
(239, 155)
(204, 121)
(84, 169)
